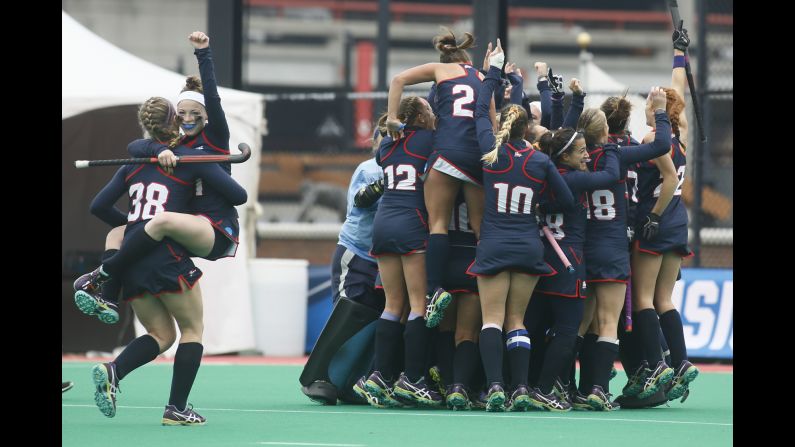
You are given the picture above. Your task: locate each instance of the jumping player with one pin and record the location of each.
(162, 286)
(456, 158)
(211, 230)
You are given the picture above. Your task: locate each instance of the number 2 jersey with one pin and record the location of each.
(673, 220)
(400, 225)
(455, 141)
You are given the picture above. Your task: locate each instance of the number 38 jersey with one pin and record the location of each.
(455, 106)
(650, 185)
(152, 190)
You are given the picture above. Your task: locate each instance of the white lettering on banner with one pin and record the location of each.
(725, 316)
(697, 314)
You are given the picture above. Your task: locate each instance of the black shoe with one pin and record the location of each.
(679, 386)
(94, 305)
(418, 392)
(107, 384)
(457, 397)
(66, 386)
(548, 402)
(520, 399)
(173, 416)
(635, 383)
(437, 303)
(495, 398)
(661, 375)
(91, 281)
(600, 401)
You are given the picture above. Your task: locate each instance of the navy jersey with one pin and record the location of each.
(151, 190)
(213, 139)
(206, 200)
(515, 181)
(650, 185)
(632, 175)
(403, 162)
(569, 227)
(513, 186)
(607, 215)
(455, 102)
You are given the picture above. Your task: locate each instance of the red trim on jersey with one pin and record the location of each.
(524, 171)
(398, 254)
(459, 170)
(173, 253)
(216, 148)
(190, 143)
(180, 278)
(178, 180)
(491, 171)
(463, 291)
(554, 272)
(217, 226)
(468, 272)
(419, 214)
(133, 173)
(390, 151)
(406, 148)
(466, 73)
(576, 295)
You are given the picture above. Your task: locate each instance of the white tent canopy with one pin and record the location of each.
(597, 80)
(95, 75)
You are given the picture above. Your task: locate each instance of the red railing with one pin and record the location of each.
(398, 10)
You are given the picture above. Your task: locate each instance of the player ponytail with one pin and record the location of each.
(156, 117)
(408, 110)
(194, 84)
(557, 143)
(617, 110)
(380, 132)
(592, 124)
(673, 107)
(450, 50)
(514, 121)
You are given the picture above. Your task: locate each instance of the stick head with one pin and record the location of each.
(79, 164)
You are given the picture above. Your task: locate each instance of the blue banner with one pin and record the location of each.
(705, 299)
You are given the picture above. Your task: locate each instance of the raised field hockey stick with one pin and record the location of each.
(554, 244)
(673, 5)
(245, 153)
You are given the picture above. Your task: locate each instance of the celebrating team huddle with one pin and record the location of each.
(489, 244)
(569, 228)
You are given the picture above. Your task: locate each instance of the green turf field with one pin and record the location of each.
(255, 405)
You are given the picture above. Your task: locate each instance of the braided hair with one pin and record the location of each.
(156, 117)
(514, 121)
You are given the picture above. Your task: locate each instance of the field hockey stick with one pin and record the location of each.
(673, 5)
(554, 244)
(245, 153)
